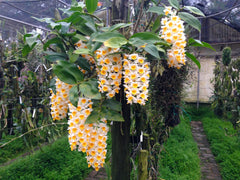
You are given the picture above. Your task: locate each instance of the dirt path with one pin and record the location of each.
(97, 175)
(209, 166)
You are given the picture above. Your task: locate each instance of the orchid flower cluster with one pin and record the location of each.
(89, 138)
(109, 71)
(136, 78)
(81, 45)
(172, 31)
(59, 101)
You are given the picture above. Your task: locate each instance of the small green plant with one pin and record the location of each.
(226, 98)
(226, 56)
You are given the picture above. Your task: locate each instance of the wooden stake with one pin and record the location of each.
(142, 165)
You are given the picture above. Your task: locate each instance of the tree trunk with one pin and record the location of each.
(120, 144)
(121, 130)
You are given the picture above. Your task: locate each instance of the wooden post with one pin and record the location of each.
(142, 165)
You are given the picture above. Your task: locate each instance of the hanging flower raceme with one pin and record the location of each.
(136, 78)
(59, 101)
(79, 132)
(109, 71)
(172, 31)
(96, 152)
(89, 138)
(81, 45)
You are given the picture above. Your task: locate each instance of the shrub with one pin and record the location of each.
(226, 56)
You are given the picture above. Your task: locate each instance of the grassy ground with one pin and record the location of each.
(11, 150)
(223, 140)
(179, 160)
(28, 142)
(55, 161)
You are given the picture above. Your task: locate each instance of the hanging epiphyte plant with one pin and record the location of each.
(94, 63)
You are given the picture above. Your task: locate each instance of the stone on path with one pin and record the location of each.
(97, 175)
(209, 168)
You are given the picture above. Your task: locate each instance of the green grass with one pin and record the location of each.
(11, 150)
(55, 161)
(179, 160)
(27, 143)
(202, 112)
(224, 143)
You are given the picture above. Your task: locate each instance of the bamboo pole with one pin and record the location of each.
(142, 165)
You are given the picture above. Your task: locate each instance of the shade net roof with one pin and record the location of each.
(16, 13)
(225, 11)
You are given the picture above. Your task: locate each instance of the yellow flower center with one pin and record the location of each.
(113, 76)
(134, 91)
(140, 60)
(83, 101)
(169, 34)
(103, 72)
(143, 79)
(133, 57)
(115, 59)
(93, 153)
(174, 30)
(98, 56)
(170, 24)
(105, 68)
(104, 52)
(116, 83)
(103, 81)
(105, 88)
(126, 80)
(127, 71)
(139, 101)
(111, 95)
(74, 113)
(116, 69)
(76, 121)
(80, 134)
(87, 111)
(133, 76)
(142, 96)
(82, 116)
(133, 67)
(141, 71)
(81, 126)
(107, 61)
(135, 85)
(74, 130)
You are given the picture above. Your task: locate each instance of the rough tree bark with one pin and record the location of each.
(121, 131)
